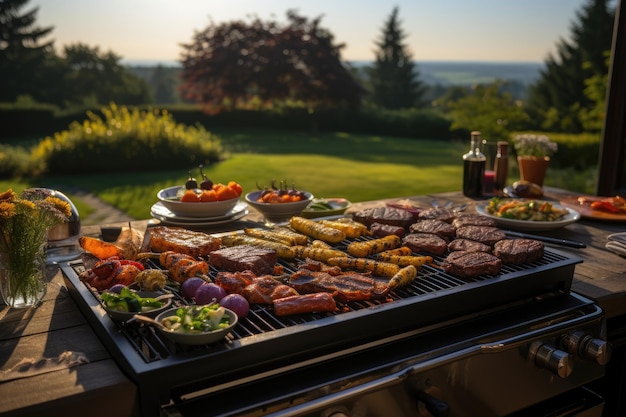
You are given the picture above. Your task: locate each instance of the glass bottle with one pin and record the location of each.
(474, 168)
(501, 165)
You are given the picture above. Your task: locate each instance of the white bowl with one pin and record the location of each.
(200, 338)
(278, 212)
(168, 197)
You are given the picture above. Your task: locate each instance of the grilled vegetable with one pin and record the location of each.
(296, 238)
(100, 248)
(281, 249)
(318, 254)
(403, 277)
(352, 230)
(129, 241)
(316, 230)
(384, 269)
(401, 260)
(370, 247)
(401, 251)
(268, 235)
(320, 244)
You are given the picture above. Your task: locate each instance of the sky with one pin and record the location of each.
(437, 30)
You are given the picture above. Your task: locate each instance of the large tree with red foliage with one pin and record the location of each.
(232, 63)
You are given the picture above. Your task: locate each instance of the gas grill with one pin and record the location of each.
(444, 345)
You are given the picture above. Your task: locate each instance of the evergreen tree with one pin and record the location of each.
(558, 100)
(23, 53)
(394, 76)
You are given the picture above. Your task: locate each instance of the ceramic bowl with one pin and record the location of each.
(200, 338)
(326, 207)
(168, 197)
(278, 212)
(125, 315)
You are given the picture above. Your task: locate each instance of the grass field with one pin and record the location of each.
(357, 167)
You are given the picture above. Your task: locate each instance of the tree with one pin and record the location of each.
(23, 54)
(488, 109)
(557, 98)
(97, 78)
(233, 63)
(394, 76)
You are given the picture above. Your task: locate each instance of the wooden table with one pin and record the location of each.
(99, 388)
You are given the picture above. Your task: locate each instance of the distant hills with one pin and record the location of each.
(445, 73)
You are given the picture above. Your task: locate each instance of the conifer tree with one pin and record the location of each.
(22, 50)
(394, 77)
(558, 100)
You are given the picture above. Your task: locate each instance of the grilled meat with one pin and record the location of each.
(257, 259)
(234, 282)
(349, 286)
(438, 213)
(518, 251)
(471, 264)
(182, 266)
(468, 245)
(316, 266)
(176, 239)
(434, 226)
(482, 234)
(384, 215)
(307, 303)
(266, 289)
(425, 242)
(382, 230)
(471, 219)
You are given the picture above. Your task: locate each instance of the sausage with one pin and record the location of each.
(382, 230)
(307, 303)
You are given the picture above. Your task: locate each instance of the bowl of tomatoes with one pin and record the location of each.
(216, 201)
(279, 205)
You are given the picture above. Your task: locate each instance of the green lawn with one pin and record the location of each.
(357, 167)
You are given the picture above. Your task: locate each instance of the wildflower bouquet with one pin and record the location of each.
(538, 146)
(24, 224)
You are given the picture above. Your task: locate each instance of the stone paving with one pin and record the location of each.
(103, 213)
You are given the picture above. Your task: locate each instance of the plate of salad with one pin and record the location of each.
(529, 215)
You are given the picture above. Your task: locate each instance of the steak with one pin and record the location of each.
(483, 234)
(382, 230)
(518, 251)
(471, 264)
(259, 260)
(434, 226)
(438, 213)
(266, 289)
(384, 215)
(177, 239)
(425, 242)
(470, 219)
(468, 245)
(349, 286)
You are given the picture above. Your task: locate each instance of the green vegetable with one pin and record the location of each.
(129, 301)
(192, 319)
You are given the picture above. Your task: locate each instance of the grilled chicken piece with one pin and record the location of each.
(313, 265)
(266, 289)
(182, 266)
(234, 282)
(349, 286)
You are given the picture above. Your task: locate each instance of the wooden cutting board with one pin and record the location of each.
(589, 213)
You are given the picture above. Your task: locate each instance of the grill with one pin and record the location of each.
(269, 360)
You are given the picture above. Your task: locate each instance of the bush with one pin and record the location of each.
(124, 140)
(15, 162)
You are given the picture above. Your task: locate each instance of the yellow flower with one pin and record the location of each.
(7, 210)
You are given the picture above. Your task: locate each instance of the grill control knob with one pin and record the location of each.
(588, 347)
(548, 357)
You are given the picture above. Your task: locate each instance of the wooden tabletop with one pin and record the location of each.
(34, 380)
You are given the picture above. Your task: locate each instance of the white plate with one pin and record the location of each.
(158, 209)
(529, 225)
(200, 222)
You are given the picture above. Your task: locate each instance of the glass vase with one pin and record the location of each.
(23, 280)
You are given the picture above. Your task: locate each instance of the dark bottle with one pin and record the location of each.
(501, 165)
(474, 168)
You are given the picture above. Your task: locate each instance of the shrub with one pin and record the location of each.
(125, 140)
(15, 162)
